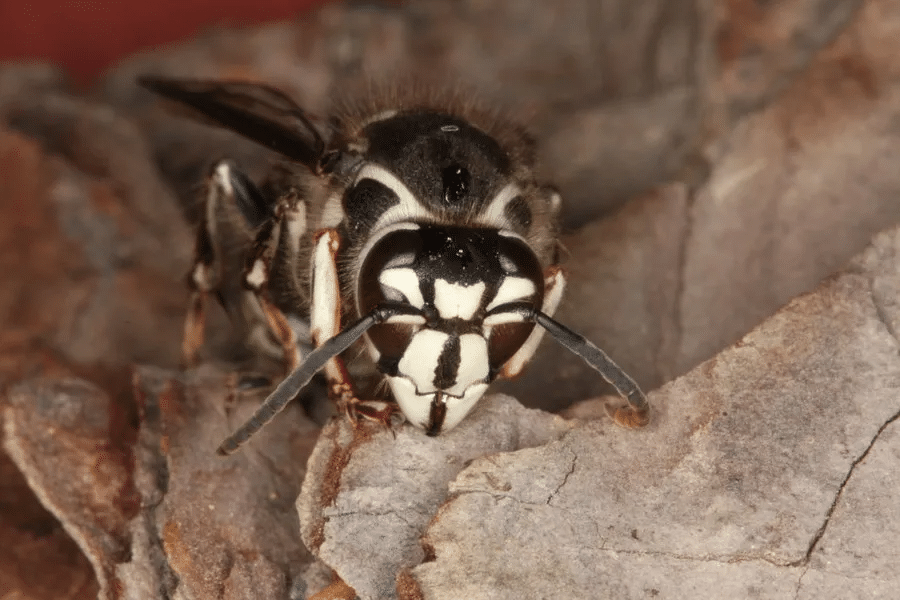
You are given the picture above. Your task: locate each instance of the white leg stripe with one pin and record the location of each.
(325, 303)
(512, 288)
(454, 300)
(404, 281)
(257, 275)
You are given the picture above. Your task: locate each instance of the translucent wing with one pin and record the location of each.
(256, 111)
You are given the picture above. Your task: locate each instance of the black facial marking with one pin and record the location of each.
(436, 415)
(518, 212)
(456, 184)
(364, 203)
(461, 256)
(448, 364)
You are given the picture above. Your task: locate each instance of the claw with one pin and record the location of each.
(628, 416)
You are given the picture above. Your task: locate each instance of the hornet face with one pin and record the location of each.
(466, 288)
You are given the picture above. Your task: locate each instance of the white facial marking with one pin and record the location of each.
(553, 287)
(408, 209)
(416, 408)
(420, 360)
(400, 260)
(495, 212)
(454, 300)
(501, 319)
(457, 408)
(473, 363)
(376, 237)
(449, 128)
(257, 275)
(512, 289)
(407, 320)
(404, 281)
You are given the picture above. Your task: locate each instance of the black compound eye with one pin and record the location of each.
(505, 340)
(456, 181)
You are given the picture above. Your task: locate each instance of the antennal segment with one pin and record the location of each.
(288, 389)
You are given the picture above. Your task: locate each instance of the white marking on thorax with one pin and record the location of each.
(407, 209)
(219, 184)
(555, 202)
(332, 212)
(404, 281)
(454, 300)
(296, 225)
(494, 214)
(201, 277)
(381, 116)
(512, 288)
(223, 173)
(501, 318)
(420, 360)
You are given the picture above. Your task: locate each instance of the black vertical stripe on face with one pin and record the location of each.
(448, 364)
(436, 415)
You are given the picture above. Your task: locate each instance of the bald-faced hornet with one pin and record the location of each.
(419, 228)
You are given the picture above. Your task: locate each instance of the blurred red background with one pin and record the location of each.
(88, 35)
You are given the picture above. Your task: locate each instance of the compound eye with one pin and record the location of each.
(392, 339)
(505, 340)
(387, 276)
(522, 285)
